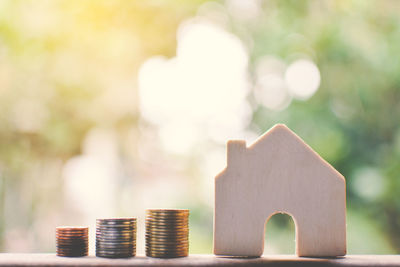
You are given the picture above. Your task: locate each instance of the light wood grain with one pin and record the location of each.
(279, 173)
(9, 259)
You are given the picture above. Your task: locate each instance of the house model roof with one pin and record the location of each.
(286, 143)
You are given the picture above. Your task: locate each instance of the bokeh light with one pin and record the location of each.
(368, 183)
(271, 91)
(203, 89)
(302, 78)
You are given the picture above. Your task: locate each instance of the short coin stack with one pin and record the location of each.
(116, 238)
(72, 241)
(167, 233)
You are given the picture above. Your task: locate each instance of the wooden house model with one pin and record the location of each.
(279, 173)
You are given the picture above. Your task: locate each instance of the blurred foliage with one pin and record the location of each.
(61, 63)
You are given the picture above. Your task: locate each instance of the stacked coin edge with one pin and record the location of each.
(116, 237)
(72, 241)
(167, 233)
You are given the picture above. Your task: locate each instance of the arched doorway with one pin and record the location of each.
(280, 234)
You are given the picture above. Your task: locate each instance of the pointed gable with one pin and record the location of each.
(284, 143)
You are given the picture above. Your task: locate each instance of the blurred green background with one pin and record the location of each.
(111, 107)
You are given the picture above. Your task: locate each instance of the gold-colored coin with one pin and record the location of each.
(167, 233)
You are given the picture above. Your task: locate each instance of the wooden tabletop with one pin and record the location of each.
(15, 259)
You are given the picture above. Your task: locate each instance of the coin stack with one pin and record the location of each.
(167, 233)
(116, 238)
(72, 241)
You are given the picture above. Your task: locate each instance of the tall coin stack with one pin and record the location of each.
(72, 241)
(116, 238)
(167, 233)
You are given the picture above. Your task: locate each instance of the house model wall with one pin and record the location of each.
(278, 173)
